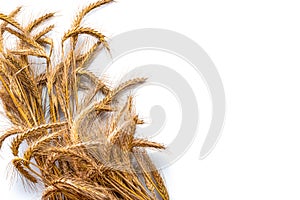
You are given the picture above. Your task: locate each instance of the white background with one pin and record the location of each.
(255, 46)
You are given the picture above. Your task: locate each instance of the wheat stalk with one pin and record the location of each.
(78, 149)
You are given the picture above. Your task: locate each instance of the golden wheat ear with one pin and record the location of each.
(79, 132)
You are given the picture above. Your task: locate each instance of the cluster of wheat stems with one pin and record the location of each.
(79, 133)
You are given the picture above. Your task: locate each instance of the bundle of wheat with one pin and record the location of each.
(79, 131)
